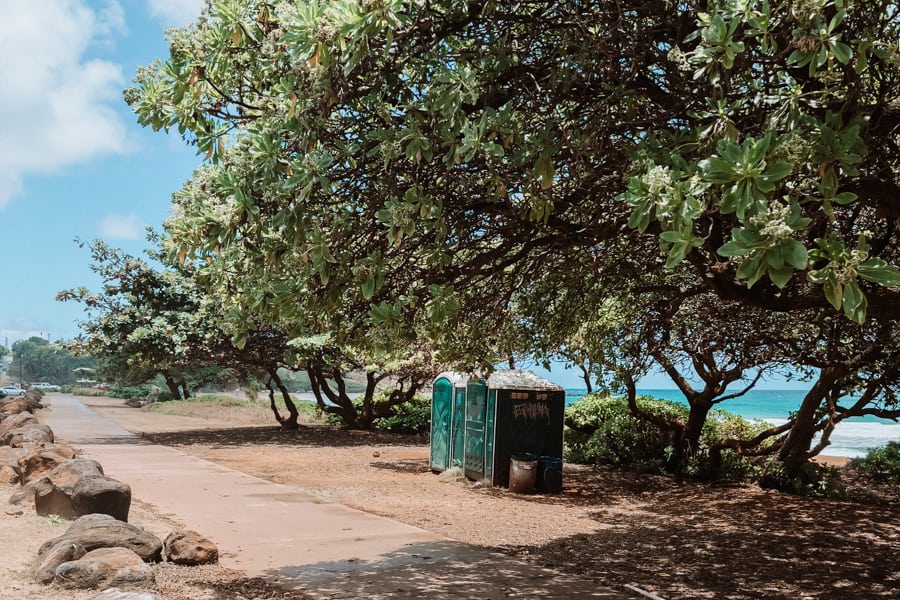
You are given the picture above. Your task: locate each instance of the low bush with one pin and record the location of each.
(602, 430)
(410, 418)
(814, 479)
(131, 391)
(881, 464)
(413, 417)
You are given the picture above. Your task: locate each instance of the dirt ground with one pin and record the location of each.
(676, 540)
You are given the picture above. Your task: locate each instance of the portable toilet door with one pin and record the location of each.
(441, 417)
(476, 405)
(448, 422)
(458, 426)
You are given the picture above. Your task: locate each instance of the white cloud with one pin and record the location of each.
(176, 12)
(57, 107)
(121, 227)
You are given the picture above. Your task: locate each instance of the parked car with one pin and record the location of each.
(11, 390)
(45, 387)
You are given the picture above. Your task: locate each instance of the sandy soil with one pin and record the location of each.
(677, 540)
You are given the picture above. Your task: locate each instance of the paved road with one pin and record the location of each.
(297, 540)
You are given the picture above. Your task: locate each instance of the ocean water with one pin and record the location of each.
(851, 438)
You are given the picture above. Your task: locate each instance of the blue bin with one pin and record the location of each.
(549, 474)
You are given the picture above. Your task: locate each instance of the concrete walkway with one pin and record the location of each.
(299, 541)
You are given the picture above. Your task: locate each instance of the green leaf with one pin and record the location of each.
(733, 248)
(842, 52)
(240, 340)
(780, 277)
(368, 288)
(854, 302)
(778, 171)
(878, 271)
(844, 198)
(794, 253)
(834, 292)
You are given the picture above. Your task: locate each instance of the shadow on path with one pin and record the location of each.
(445, 569)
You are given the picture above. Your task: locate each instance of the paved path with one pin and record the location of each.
(297, 540)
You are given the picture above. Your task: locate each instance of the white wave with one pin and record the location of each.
(853, 439)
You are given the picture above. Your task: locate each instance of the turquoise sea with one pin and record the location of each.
(851, 438)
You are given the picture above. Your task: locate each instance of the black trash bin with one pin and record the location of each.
(549, 474)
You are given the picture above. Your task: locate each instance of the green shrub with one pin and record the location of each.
(619, 438)
(622, 439)
(816, 480)
(881, 463)
(132, 391)
(411, 417)
(721, 424)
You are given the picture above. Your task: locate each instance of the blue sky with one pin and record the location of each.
(73, 160)
(74, 163)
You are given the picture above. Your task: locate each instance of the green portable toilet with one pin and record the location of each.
(448, 403)
(479, 425)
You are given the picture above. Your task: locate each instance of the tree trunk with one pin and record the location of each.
(690, 437)
(794, 452)
(586, 375)
(291, 421)
(173, 386)
(185, 393)
(367, 417)
(340, 405)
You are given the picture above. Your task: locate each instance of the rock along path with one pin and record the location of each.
(299, 541)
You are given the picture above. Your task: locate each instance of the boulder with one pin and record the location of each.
(101, 495)
(117, 594)
(188, 547)
(30, 490)
(105, 567)
(56, 494)
(9, 475)
(52, 500)
(29, 436)
(89, 533)
(40, 461)
(20, 404)
(67, 473)
(10, 456)
(15, 422)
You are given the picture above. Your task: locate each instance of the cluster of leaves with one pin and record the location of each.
(784, 160)
(881, 463)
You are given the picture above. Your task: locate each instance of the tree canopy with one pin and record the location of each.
(386, 171)
(36, 359)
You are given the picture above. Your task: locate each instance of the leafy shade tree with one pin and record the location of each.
(36, 359)
(381, 169)
(712, 350)
(327, 365)
(143, 323)
(148, 322)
